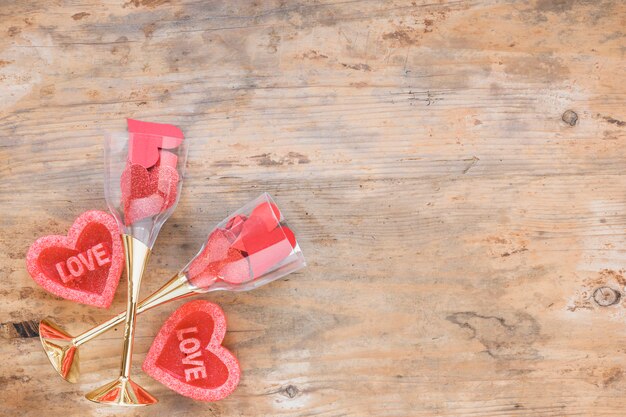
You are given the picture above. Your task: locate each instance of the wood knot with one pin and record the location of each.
(606, 296)
(291, 391)
(570, 117)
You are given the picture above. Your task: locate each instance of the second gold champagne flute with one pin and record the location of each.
(144, 171)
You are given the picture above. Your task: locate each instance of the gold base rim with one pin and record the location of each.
(122, 392)
(60, 350)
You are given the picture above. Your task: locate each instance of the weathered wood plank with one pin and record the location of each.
(464, 237)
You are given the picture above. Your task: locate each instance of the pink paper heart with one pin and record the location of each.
(267, 249)
(147, 139)
(84, 266)
(156, 129)
(265, 216)
(187, 355)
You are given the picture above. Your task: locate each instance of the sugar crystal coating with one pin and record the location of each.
(187, 355)
(84, 266)
(147, 192)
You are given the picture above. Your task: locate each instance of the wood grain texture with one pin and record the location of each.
(458, 223)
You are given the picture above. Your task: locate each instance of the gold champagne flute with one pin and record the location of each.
(144, 171)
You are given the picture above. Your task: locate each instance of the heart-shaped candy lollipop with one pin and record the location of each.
(84, 266)
(187, 355)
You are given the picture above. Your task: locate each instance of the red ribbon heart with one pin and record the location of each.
(187, 356)
(84, 266)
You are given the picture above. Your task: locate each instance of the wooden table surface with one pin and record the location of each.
(454, 171)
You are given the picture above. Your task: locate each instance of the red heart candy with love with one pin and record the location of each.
(146, 139)
(84, 266)
(147, 192)
(187, 355)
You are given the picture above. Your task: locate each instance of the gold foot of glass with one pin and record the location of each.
(60, 349)
(122, 392)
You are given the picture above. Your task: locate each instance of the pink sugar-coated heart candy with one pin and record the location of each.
(230, 235)
(206, 277)
(187, 355)
(141, 208)
(133, 181)
(236, 270)
(146, 193)
(218, 260)
(267, 250)
(167, 184)
(136, 181)
(84, 266)
(215, 250)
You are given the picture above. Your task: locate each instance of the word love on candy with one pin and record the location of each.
(187, 355)
(84, 266)
(93, 257)
(190, 347)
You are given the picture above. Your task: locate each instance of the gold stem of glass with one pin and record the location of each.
(177, 287)
(137, 254)
(62, 349)
(123, 391)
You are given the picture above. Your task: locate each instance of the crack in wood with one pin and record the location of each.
(23, 329)
(502, 338)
